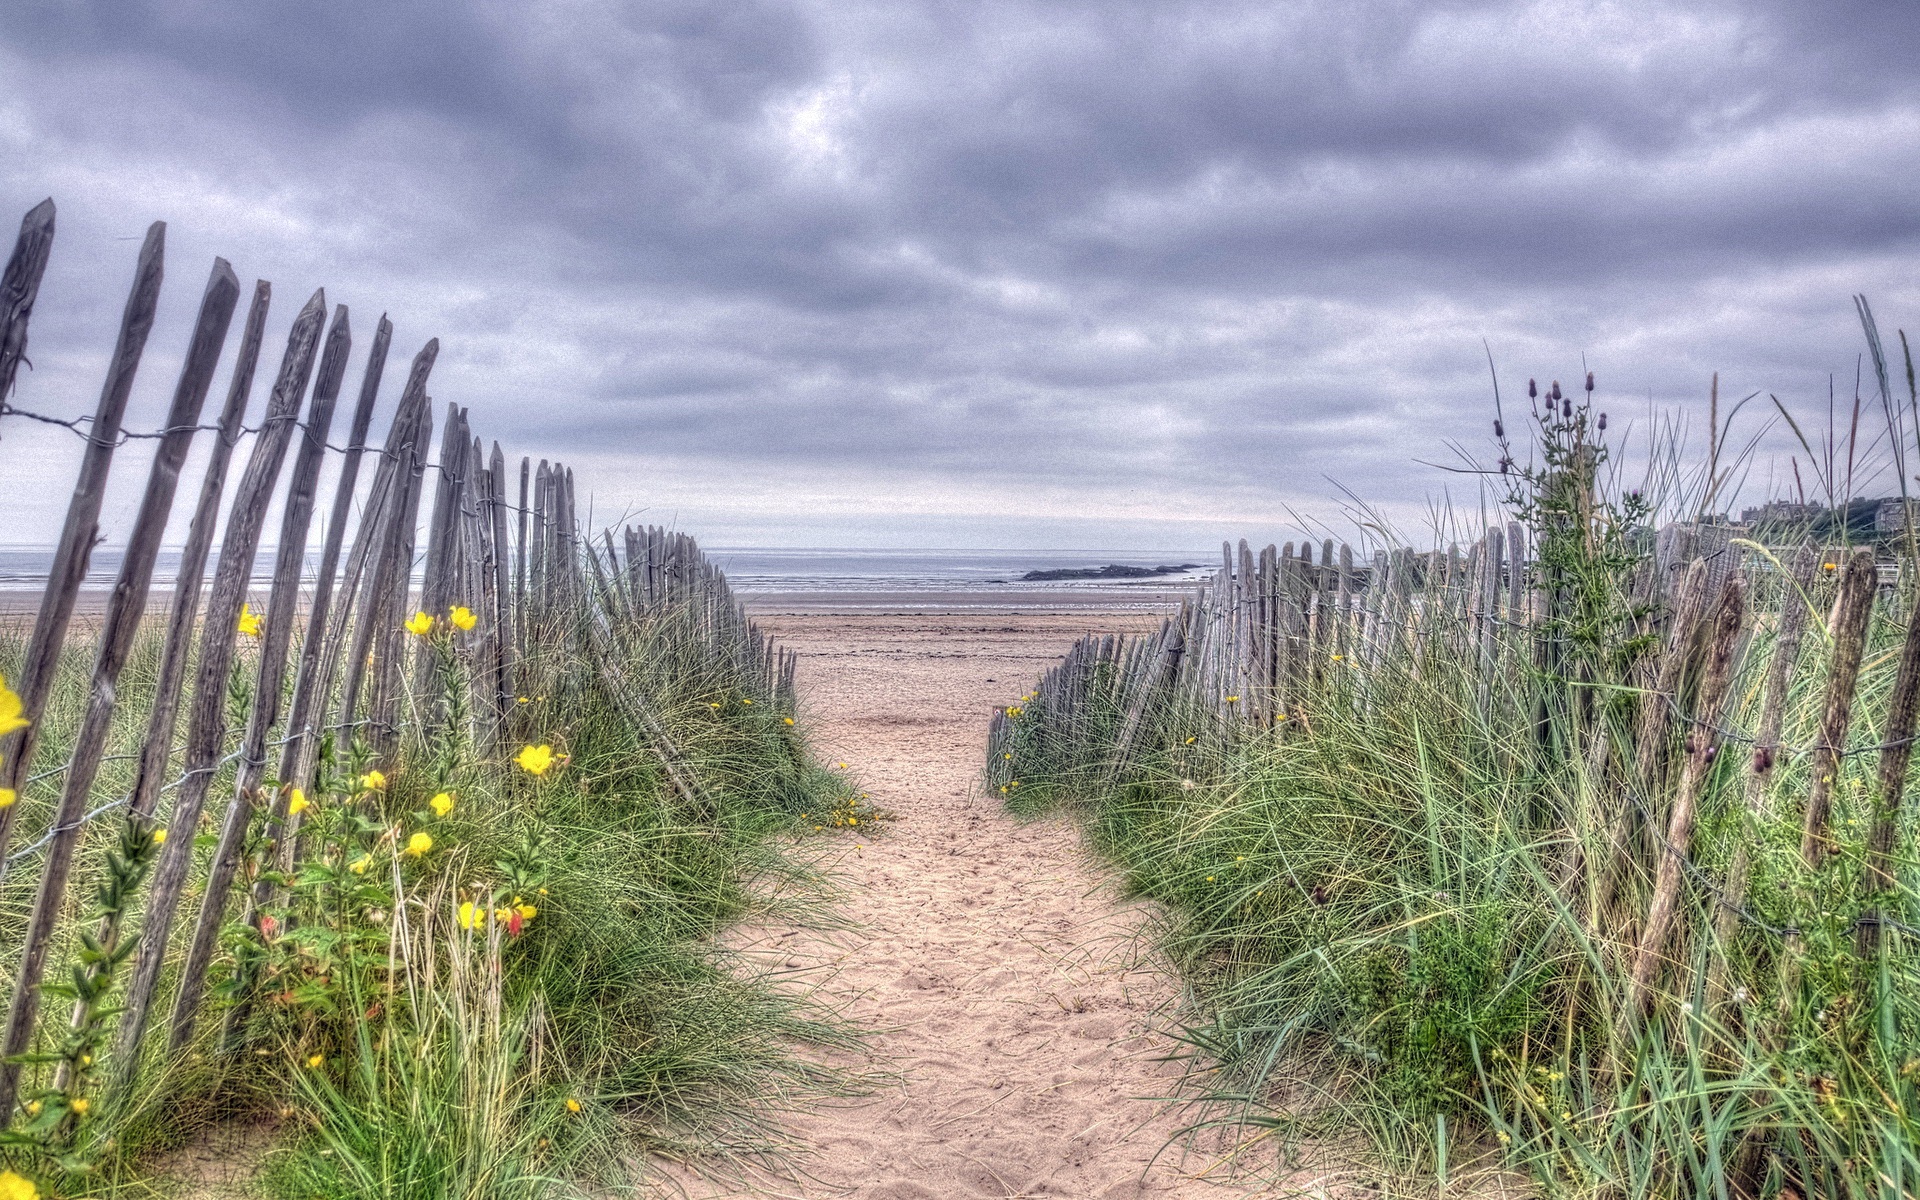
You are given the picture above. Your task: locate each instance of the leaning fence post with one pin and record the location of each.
(122, 623)
(157, 748)
(207, 726)
(314, 677)
(1903, 706)
(1848, 627)
(1725, 625)
(282, 601)
(20, 285)
(1785, 653)
(70, 556)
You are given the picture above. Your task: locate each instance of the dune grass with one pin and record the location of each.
(532, 1004)
(1402, 912)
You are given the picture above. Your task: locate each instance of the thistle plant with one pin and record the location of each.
(1589, 546)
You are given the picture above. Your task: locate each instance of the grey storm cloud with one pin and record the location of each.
(1008, 272)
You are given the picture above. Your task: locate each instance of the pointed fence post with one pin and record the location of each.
(282, 602)
(127, 606)
(19, 286)
(82, 527)
(207, 723)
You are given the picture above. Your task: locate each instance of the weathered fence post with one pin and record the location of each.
(75, 547)
(207, 724)
(20, 285)
(124, 611)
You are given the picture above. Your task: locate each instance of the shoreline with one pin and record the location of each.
(22, 605)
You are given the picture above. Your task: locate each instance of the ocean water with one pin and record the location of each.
(759, 570)
(752, 569)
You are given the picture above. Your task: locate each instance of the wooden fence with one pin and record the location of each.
(1274, 635)
(330, 638)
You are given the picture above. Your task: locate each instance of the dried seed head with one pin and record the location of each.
(1499, 430)
(1533, 390)
(1555, 393)
(1603, 422)
(1589, 381)
(1566, 408)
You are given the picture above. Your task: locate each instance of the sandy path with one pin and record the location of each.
(998, 971)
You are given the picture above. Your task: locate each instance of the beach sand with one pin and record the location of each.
(1011, 992)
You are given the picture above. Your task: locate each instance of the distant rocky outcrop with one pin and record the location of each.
(1110, 571)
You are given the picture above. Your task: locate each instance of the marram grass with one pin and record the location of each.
(401, 1045)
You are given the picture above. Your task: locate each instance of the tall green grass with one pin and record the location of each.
(1401, 913)
(403, 1054)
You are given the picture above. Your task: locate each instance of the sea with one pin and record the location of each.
(761, 570)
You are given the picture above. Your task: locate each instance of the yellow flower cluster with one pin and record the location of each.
(462, 618)
(16, 1187)
(12, 717)
(249, 622)
(474, 916)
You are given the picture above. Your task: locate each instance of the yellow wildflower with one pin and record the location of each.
(419, 844)
(249, 622)
(714, 704)
(789, 720)
(527, 911)
(359, 865)
(373, 781)
(298, 804)
(573, 1105)
(1233, 699)
(419, 624)
(34, 1107)
(79, 1105)
(159, 837)
(314, 1060)
(462, 617)
(1192, 740)
(11, 714)
(535, 760)
(441, 804)
(522, 700)
(744, 700)
(472, 916)
(7, 797)
(15, 1187)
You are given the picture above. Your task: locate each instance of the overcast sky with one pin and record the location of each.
(1102, 274)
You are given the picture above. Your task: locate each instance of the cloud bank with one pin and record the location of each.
(1128, 275)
